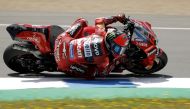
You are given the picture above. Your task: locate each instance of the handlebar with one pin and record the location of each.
(129, 26)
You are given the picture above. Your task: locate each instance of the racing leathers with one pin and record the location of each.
(86, 51)
(87, 56)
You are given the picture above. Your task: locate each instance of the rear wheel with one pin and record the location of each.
(162, 61)
(20, 61)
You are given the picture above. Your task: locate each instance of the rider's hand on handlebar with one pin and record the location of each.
(121, 18)
(129, 26)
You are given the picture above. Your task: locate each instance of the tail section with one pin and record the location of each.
(37, 35)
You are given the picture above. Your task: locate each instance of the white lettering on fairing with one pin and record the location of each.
(33, 38)
(142, 44)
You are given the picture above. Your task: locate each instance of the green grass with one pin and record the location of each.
(119, 103)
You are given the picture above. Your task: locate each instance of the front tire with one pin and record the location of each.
(163, 59)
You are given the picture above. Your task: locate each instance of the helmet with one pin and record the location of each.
(116, 41)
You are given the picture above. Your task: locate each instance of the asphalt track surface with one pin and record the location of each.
(174, 40)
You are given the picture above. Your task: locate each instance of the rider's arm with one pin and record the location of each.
(109, 20)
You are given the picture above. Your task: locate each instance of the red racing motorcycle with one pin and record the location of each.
(33, 48)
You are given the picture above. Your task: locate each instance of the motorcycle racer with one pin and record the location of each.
(72, 54)
(89, 56)
(84, 50)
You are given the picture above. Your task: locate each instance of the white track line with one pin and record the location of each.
(155, 28)
(4, 25)
(169, 28)
(27, 83)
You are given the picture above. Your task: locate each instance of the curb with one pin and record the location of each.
(93, 93)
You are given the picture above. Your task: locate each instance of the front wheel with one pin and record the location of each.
(20, 61)
(162, 58)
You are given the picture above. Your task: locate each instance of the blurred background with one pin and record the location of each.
(164, 7)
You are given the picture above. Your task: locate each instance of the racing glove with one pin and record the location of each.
(121, 18)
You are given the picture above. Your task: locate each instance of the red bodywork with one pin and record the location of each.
(148, 45)
(36, 38)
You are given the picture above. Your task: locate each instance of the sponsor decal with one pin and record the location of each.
(97, 49)
(64, 51)
(71, 50)
(79, 51)
(110, 36)
(96, 45)
(152, 52)
(75, 68)
(33, 38)
(57, 56)
(142, 44)
(87, 48)
(73, 29)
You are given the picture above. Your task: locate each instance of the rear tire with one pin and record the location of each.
(163, 59)
(14, 59)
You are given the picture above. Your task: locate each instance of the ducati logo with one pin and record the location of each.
(79, 51)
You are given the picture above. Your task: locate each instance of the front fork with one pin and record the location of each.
(159, 52)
